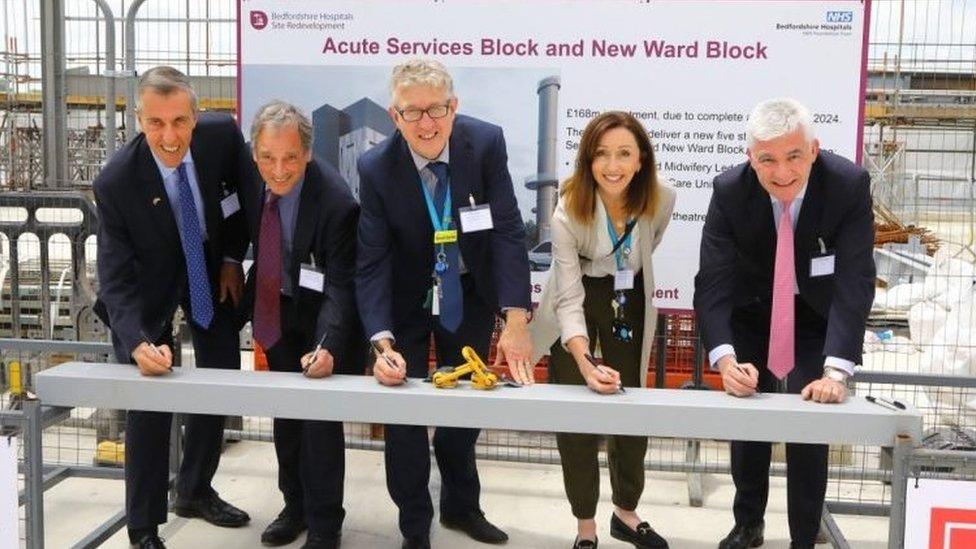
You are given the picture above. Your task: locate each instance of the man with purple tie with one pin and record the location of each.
(785, 284)
(167, 209)
(302, 220)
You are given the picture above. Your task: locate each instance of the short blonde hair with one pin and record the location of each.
(421, 72)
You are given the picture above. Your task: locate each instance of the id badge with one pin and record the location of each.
(822, 265)
(476, 218)
(445, 237)
(230, 205)
(311, 277)
(623, 280)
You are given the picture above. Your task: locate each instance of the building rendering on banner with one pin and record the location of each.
(342, 136)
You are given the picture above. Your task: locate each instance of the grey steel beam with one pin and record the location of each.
(102, 533)
(130, 66)
(928, 380)
(55, 346)
(542, 407)
(53, 93)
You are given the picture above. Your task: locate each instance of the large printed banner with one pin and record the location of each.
(689, 70)
(940, 514)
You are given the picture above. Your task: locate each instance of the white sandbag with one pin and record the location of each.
(924, 320)
(901, 297)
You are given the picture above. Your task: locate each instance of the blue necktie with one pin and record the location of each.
(201, 302)
(452, 301)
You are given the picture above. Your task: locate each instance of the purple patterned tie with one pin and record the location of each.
(267, 305)
(781, 328)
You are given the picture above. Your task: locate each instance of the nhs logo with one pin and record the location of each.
(840, 16)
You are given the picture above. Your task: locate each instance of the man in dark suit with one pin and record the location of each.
(785, 284)
(299, 295)
(441, 251)
(167, 219)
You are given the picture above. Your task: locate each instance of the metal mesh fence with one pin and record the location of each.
(920, 147)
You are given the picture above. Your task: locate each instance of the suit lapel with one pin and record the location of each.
(462, 172)
(759, 208)
(306, 223)
(405, 190)
(208, 179)
(810, 210)
(156, 200)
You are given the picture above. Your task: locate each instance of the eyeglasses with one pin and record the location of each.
(414, 115)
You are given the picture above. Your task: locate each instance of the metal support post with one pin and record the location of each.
(899, 487)
(53, 92)
(33, 474)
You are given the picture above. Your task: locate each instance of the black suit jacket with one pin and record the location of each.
(326, 229)
(733, 288)
(396, 250)
(141, 266)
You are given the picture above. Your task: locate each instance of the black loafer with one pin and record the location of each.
(283, 530)
(211, 509)
(586, 543)
(476, 526)
(148, 541)
(744, 537)
(416, 542)
(644, 537)
(315, 540)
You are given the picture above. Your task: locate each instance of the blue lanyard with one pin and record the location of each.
(619, 251)
(444, 223)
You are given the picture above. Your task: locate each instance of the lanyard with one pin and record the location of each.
(621, 247)
(444, 223)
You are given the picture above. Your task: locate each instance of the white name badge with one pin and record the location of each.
(476, 218)
(822, 266)
(311, 278)
(230, 205)
(623, 280)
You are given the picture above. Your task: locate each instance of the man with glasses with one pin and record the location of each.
(441, 251)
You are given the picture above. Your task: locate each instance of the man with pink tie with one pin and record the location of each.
(785, 283)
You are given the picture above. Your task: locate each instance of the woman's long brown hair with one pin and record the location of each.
(579, 191)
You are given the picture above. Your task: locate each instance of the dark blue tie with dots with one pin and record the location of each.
(452, 303)
(201, 302)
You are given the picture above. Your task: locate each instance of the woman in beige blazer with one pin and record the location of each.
(610, 217)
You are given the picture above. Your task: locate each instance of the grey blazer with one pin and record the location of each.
(560, 312)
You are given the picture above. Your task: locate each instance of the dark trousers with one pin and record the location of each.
(579, 452)
(311, 454)
(407, 446)
(806, 464)
(147, 434)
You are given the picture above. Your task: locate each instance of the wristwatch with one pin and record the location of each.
(836, 374)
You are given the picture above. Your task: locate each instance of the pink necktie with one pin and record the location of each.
(781, 335)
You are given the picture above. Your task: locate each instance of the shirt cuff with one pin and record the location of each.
(385, 334)
(718, 352)
(840, 364)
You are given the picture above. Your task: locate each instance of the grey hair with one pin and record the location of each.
(774, 118)
(421, 72)
(164, 81)
(277, 114)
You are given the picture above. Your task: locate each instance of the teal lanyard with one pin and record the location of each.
(444, 223)
(621, 250)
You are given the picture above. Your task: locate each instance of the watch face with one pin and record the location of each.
(835, 375)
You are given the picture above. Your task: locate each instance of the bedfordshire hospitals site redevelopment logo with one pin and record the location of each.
(259, 19)
(834, 23)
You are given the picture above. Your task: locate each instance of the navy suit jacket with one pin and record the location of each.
(396, 250)
(326, 230)
(733, 288)
(141, 267)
